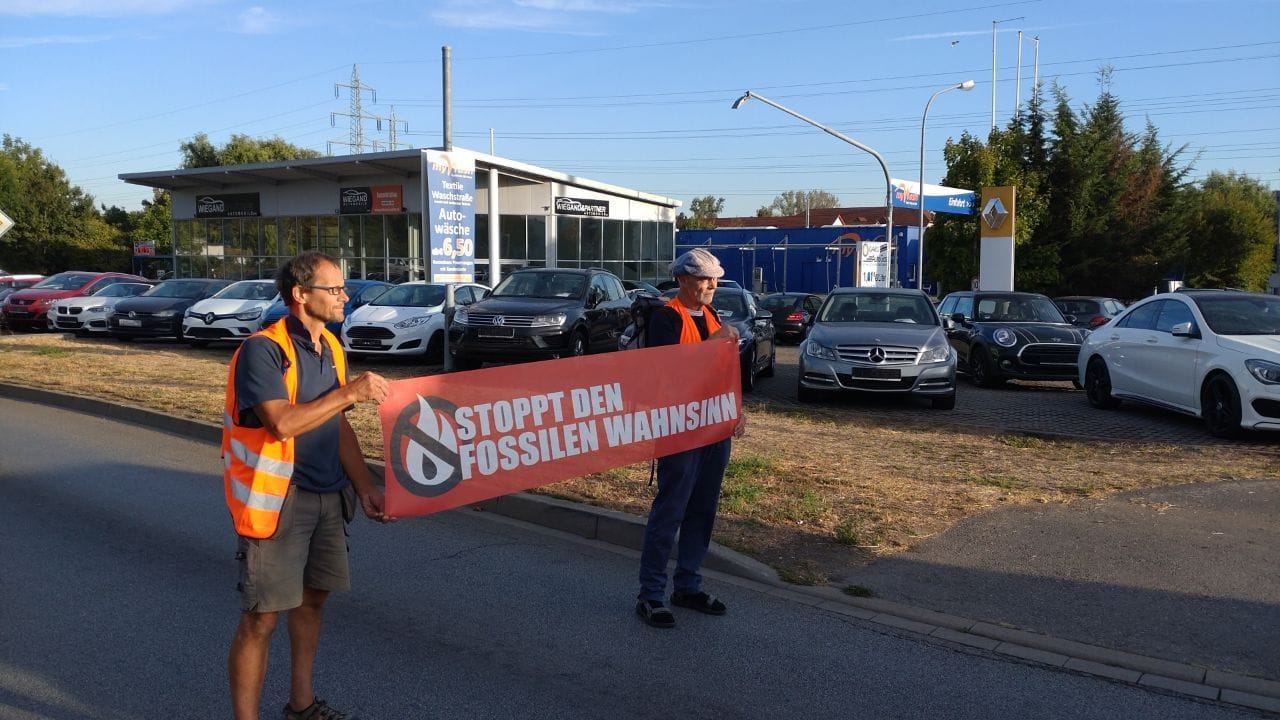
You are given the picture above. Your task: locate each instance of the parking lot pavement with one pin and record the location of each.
(1047, 408)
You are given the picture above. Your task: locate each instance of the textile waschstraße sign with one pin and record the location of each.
(449, 184)
(455, 439)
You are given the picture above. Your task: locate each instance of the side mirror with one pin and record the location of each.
(1186, 329)
(763, 315)
(957, 318)
(948, 323)
(1070, 319)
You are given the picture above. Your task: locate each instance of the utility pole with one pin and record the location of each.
(1017, 93)
(356, 113)
(1035, 82)
(994, 23)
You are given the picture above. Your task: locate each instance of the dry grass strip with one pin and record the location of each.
(810, 494)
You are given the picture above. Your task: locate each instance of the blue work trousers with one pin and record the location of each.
(688, 496)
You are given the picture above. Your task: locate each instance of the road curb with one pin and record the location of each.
(626, 530)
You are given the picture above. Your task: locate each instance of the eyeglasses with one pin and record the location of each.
(334, 290)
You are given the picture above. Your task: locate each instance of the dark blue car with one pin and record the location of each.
(359, 294)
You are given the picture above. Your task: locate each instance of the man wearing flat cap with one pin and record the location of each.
(688, 482)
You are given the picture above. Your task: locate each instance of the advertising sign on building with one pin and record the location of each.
(228, 206)
(873, 264)
(450, 189)
(144, 248)
(582, 206)
(937, 198)
(371, 199)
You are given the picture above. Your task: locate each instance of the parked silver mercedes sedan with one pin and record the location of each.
(878, 340)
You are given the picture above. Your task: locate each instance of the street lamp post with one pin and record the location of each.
(888, 182)
(966, 85)
(994, 23)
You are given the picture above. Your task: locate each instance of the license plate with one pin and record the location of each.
(876, 373)
(365, 343)
(17, 311)
(496, 332)
(126, 322)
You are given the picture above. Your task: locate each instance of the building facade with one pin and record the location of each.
(368, 211)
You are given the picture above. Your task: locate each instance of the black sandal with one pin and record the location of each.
(655, 614)
(700, 601)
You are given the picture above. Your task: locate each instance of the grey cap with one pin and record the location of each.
(698, 263)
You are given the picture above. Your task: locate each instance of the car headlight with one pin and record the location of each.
(43, 302)
(813, 349)
(935, 352)
(249, 314)
(1267, 372)
(166, 313)
(742, 341)
(412, 322)
(554, 320)
(460, 316)
(97, 309)
(1004, 337)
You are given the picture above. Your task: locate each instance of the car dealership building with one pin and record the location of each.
(367, 210)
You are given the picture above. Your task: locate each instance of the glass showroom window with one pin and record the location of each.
(592, 240)
(537, 225)
(568, 241)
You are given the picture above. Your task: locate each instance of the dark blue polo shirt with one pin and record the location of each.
(665, 326)
(260, 377)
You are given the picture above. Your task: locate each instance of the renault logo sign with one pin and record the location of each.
(994, 213)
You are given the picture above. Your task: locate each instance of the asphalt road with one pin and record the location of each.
(118, 603)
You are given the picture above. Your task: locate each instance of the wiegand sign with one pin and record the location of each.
(462, 438)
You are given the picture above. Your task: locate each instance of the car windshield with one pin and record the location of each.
(120, 290)
(412, 296)
(879, 308)
(252, 290)
(65, 281)
(542, 284)
(731, 305)
(1002, 308)
(1078, 307)
(190, 289)
(781, 302)
(1233, 314)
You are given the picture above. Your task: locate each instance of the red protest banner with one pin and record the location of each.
(450, 440)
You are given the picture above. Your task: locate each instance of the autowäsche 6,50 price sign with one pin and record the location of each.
(451, 199)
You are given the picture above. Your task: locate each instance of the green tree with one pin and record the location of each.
(795, 202)
(1232, 233)
(239, 150)
(703, 212)
(57, 224)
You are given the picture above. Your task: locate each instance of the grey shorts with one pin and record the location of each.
(309, 549)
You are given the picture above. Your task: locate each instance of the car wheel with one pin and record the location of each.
(435, 349)
(946, 402)
(768, 369)
(198, 343)
(804, 394)
(748, 376)
(578, 345)
(980, 370)
(1220, 407)
(1097, 385)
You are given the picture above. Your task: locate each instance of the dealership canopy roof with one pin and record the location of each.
(356, 169)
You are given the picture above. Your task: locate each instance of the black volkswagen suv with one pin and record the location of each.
(539, 314)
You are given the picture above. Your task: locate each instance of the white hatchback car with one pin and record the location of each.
(1214, 354)
(408, 319)
(89, 313)
(234, 313)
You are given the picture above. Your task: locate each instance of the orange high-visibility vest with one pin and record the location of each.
(688, 330)
(258, 466)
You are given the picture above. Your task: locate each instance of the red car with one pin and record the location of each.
(27, 309)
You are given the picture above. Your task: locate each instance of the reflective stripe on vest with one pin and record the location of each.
(688, 328)
(258, 467)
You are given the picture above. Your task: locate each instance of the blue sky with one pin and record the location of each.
(631, 92)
